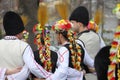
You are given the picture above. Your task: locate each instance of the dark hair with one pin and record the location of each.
(64, 34)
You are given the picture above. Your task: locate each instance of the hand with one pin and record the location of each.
(13, 71)
(92, 70)
(84, 72)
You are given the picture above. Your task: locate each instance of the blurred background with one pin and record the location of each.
(28, 10)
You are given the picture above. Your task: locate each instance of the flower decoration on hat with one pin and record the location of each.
(114, 56)
(44, 53)
(116, 11)
(25, 35)
(62, 25)
(93, 26)
(65, 25)
(37, 31)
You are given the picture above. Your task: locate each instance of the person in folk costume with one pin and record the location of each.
(107, 61)
(17, 53)
(70, 56)
(80, 20)
(90, 40)
(44, 56)
(62, 9)
(4, 71)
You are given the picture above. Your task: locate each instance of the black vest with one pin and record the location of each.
(54, 58)
(82, 56)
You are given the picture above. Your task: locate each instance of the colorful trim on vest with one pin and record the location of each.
(114, 56)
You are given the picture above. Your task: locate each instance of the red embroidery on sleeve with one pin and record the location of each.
(61, 56)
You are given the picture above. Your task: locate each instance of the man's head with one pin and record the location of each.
(13, 24)
(79, 18)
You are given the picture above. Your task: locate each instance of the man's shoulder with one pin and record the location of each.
(16, 41)
(63, 49)
(23, 43)
(90, 35)
(2, 42)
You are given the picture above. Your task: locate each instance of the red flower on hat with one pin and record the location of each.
(53, 27)
(68, 26)
(62, 25)
(114, 43)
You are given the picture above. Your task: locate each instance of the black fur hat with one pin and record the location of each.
(12, 23)
(80, 14)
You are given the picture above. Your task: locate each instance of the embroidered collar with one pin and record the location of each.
(86, 31)
(10, 38)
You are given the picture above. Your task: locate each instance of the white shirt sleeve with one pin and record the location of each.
(87, 59)
(2, 73)
(102, 43)
(74, 74)
(30, 65)
(63, 61)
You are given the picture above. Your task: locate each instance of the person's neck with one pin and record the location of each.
(83, 29)
(64, 42)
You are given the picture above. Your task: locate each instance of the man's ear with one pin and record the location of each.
(19, 35)
(80, 24)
